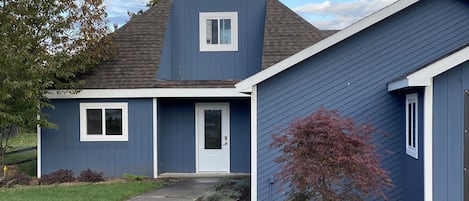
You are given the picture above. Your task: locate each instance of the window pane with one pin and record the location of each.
(414, 124)
(94, 121)
(409, 123)
(225, 31)
(213, 129)
(113, 122)
(212, 31)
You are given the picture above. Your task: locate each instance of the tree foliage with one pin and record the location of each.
(327, 157)
(45, 44)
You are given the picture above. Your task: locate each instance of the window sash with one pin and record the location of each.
(412, 125)
(110, 122)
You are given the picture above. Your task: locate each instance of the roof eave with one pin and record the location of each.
(424, 76)
(147, 93)
(324, 44)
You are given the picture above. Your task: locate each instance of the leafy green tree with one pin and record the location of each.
(44, 44)
(328, 157)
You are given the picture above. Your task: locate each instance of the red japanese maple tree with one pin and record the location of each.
(328, 157)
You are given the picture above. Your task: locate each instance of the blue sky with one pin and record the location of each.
(324, 14)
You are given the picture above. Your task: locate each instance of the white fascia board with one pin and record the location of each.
(246, 85)
(424, 76)
(148, 93)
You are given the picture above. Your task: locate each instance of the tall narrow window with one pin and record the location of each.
(218, 31)
(412, 125)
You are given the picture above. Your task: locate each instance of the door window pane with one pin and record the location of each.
(113, 122)
(94, 121)
(213, 129)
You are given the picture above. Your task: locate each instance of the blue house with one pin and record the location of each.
(167, 102)
(200, 86)
(404, 69)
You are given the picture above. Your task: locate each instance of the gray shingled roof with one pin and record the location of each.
(286, 33)
(139, 44)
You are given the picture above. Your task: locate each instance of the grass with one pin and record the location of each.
(81, 192)
(22, 141)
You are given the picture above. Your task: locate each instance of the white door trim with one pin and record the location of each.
(198, 107)
(155, 138)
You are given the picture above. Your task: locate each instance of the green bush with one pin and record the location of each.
(131, 177)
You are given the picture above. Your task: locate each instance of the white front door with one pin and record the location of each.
(213, 137)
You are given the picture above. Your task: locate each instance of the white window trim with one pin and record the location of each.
(410, 150)
(84, 137)
(204, 47)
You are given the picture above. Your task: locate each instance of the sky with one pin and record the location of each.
(324, 14)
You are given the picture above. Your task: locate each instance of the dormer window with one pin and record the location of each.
(218, 31)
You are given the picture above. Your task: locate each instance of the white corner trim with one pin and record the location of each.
(39, 150)
(155, 138)
(147, 93)
(324, 44)
(428, 142)
(254, 143)
(424, 76)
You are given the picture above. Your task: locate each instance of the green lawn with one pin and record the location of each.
(81, 192)
(22, 141)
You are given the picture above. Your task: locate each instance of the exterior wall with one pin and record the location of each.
(352, 77)
(448, 137)
(176, 135)
(413, 178)
(182, 56)
(62, 149)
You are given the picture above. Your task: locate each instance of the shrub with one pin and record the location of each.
(90, 176)
(59, 176)
(243, 184)
(327, 157)
(131, 177)
(20, 179)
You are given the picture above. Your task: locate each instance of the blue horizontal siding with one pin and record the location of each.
(186, 60)
(448, 135)
(62, 149)
(176, 135)
(352, 77)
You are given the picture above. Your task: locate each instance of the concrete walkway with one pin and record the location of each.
(185, 189)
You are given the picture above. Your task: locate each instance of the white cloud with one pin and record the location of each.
(343, 13)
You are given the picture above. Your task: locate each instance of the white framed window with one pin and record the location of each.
(103, 122)
(218, 31)
(412, 137)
